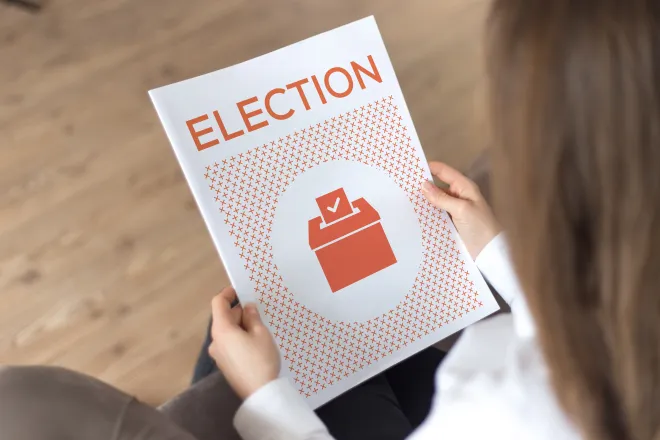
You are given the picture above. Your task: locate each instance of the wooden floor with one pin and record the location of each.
(105, 264)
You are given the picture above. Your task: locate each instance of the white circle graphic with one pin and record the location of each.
(298, 263)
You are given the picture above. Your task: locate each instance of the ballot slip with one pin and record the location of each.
(307, 169)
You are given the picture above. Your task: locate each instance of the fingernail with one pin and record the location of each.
(428, 186)
(251, 308)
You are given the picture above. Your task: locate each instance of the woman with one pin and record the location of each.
(575, 105)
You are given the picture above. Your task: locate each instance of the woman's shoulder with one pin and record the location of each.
(495, 383)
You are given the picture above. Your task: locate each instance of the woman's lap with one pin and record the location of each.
(413, 383)
(389, 406)
(368, 411)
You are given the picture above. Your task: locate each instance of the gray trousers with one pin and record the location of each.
(39, 403)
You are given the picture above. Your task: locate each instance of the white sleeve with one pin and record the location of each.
(495, 264)
(277, 412)
(494, 384)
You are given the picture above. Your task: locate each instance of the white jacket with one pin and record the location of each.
(493, 384)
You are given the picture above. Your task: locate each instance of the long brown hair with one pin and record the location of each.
(575, 111)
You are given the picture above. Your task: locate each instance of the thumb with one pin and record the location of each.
(440, 199)
(251, 318)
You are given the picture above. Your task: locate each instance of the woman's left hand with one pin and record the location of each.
(242, 346)
(469, 211)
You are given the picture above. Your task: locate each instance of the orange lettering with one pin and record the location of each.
(374, 74)
(329, 87)
(246, 116)
(223, 129)
(319, 90)
(298, 85)
(270, 111)
(196, 134)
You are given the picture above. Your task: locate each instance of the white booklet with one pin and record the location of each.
(307, 170)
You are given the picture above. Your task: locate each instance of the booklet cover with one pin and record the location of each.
(307, 170)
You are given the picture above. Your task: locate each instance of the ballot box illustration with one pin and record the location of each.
(348, 240)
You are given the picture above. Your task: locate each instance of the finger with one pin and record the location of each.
(236, 314)
(441, 199)
(228, 295)
(251, 319)
(458, 183)
(223, 314)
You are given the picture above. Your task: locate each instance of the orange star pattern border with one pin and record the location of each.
(246, 187)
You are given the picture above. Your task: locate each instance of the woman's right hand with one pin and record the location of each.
(242, 346)
(472, 216)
